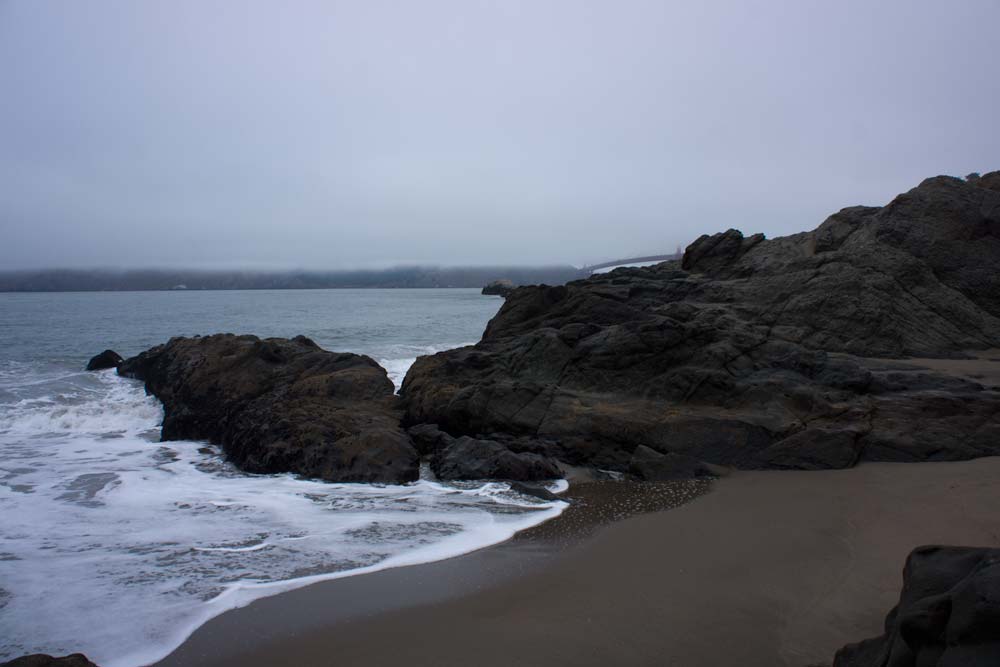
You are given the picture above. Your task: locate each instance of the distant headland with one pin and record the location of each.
(125, 280)
(109, 280)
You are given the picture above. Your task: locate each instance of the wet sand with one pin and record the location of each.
(769, 568)
(982, 366)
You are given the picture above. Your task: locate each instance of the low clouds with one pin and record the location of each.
(332, 135)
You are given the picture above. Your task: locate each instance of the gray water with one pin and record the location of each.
(119, 546)
(63, 330)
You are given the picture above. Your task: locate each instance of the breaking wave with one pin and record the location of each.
(120, 546)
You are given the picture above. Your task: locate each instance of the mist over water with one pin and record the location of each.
(119, 546)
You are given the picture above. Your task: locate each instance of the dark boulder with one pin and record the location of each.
(499, 288)
(42, 660)
(106, 359)
(279, 405)
(652, 466)
(948, 613)
(751, 353)
(497, 456)
(470, 458)
(527, 444)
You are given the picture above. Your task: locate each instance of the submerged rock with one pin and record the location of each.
(279, 405)
(948, 613)
(106, 359)
(751, 353)
(42, 660)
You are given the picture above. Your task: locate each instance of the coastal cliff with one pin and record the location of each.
(799, 352)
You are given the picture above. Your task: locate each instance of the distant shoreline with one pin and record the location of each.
(180, 280)
(403, 277)
(233, 289)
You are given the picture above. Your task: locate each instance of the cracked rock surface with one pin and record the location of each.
(280, 405)
(799, 352)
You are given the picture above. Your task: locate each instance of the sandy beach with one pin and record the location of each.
(768, 568)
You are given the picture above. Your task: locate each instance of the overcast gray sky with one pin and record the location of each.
(325, 134)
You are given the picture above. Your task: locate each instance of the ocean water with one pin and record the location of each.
(119, 546)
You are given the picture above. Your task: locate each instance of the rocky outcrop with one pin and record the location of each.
(279, 405)
(42, 660)
(106, 359)
(751, 353)
(499, 288)
(948, 613)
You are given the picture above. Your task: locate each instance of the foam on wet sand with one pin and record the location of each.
(119, 546)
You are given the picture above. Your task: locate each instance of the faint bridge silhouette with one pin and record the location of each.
(631, 260)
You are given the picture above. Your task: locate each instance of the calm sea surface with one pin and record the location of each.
(119, 546)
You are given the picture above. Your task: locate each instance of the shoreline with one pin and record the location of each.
(593, 505)
(246, 594)
(769, 568)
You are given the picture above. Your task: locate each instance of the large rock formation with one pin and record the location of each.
(783, 353)
(948, 613)
(278, 405)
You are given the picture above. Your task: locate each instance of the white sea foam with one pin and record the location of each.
(397, 359)
(97, 404)
(120, 546)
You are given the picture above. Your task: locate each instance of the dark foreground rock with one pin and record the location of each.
(483, 458)
(429, 439)
(106, 359)
(499, 288)
(652, 466)
(948, 613)
(279, 405)
(471, 458)
(42, 660)
(751, 353)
